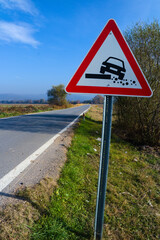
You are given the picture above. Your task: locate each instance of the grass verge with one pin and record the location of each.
(72, 208)
(132, 206)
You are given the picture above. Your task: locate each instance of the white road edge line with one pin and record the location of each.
(9, 177)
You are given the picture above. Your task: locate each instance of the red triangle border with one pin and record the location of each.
(145, 91)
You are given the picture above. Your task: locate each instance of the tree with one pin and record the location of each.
(141, 116)
(57, 95)
(98, 99)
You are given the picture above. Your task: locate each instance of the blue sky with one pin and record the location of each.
(42, 42)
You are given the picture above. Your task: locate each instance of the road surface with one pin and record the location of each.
(21, 136)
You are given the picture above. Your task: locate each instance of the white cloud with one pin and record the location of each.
(22, 33)
(23, 5)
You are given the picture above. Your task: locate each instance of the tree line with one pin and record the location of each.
(29, 101)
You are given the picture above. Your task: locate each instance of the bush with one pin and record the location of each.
(140, 117)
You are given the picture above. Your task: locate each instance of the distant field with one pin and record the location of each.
(9, 110)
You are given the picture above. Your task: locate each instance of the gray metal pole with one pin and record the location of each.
(103, 167)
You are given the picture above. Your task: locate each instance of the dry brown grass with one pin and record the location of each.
(96, 112)
(21, 109)
(16, 220)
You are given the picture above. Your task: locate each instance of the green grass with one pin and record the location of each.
(72, 206)
(132, 200)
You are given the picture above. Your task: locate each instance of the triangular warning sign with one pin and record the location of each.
(110, 68)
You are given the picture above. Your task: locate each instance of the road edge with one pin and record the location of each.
(10, 176)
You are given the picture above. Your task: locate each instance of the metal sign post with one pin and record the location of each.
(103, 167)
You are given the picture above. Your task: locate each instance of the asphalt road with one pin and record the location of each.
(21, 136)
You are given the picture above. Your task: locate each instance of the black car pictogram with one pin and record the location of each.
(110, 67)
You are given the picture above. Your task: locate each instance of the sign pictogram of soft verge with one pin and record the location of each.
(110, 68)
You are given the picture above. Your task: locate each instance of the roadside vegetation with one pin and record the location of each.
(132, 205)
(139, 118)
(66, 210)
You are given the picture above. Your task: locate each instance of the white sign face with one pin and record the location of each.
(109, 68)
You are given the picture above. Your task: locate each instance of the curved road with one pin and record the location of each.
(21, 136)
